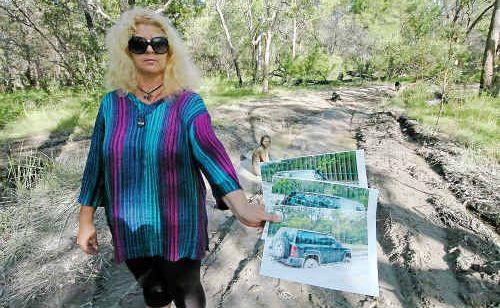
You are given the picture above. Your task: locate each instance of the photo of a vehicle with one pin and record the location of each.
(325, 234)
(308, 249)
(320, 200)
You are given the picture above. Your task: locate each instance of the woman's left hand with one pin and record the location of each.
(251, 215)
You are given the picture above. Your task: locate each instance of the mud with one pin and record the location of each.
(473, 179)
(436, 240)
(435, 245)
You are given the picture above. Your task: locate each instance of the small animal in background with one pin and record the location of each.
(438, 95)
(335, 97)
(397, 85)
(438, 98)
(353, 73)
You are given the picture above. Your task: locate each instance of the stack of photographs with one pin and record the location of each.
(327, 234)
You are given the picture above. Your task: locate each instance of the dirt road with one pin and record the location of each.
(432, 248)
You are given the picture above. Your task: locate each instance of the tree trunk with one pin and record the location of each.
(294, 38)
(489, 80)
(259, 54)
(125, 5)
(266, 64)
(84, 6)
(234, 53)
(9, 76)
(32, 83)
(254, 63)
(256, 55)
(42, 82)
(270, 22)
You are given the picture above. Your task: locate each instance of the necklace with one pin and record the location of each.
(141, 117)
(148, 93)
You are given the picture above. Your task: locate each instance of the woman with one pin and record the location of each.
(248, 170)
(261, 154)
(152, 139)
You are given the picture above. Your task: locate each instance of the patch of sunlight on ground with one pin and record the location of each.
(41, 121)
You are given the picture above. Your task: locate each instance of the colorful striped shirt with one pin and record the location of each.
(145, 166)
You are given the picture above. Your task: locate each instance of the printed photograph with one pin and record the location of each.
(326, 236)
(347, 167)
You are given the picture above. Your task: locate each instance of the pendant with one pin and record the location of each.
(141, 121)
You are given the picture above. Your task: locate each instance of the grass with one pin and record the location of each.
(21, 103)
(218, 91)
(30, 112)
(470, 120)
(33, 112)
(33, 185)
(37, 252)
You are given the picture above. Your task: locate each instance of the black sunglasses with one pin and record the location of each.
(139, 44)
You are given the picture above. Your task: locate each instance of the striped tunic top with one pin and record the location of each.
(145, 165)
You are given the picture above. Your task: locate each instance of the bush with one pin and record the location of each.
(315, 65)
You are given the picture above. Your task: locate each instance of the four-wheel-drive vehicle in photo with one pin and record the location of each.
(304, 248)
(312, 200)
(321, 201)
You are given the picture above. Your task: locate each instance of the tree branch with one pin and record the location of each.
(473, 24)
(99, 10)
(164, 7)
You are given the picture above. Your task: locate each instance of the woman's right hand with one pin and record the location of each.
(250, 215)
(87, 238)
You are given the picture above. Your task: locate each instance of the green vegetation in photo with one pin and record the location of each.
(341, 167)
(284, 186)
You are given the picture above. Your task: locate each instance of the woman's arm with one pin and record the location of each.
(92, 183)
(212, 158)
(87, 214)
(210, 154)
(92, 187)
(87, 234)
(219, 170)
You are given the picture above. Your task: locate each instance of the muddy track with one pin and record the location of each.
(433, 251)
(435, 245)
(436, 239)
(474, 187)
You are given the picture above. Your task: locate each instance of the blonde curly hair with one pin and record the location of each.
(180, 73)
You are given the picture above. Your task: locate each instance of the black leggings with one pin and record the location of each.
(163, 281)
